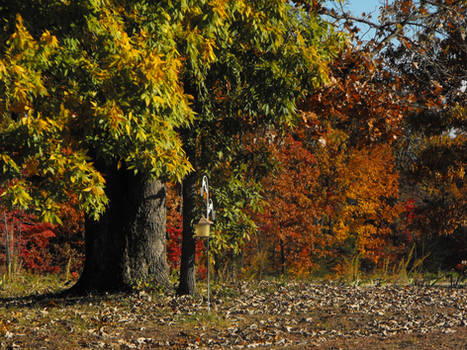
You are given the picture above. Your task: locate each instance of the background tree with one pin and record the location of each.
(424, 44)
(356, 121)
(432, 57)
(335, 193)
(267, 56)
(288, 227)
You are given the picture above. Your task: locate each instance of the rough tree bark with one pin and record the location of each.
(128, 243)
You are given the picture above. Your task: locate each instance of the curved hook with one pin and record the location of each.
(211, 210)
(204, 186)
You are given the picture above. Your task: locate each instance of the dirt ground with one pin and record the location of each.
(268, 315)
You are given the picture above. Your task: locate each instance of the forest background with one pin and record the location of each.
(366, 179)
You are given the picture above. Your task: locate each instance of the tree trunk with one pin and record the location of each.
(282, 257)
(187, 265)
(128, 243)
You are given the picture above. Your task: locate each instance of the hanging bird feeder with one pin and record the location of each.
(203, 228)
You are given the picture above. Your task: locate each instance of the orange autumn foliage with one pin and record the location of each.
(289, 220)
(365, 191)
(335, 193)
(325, 196)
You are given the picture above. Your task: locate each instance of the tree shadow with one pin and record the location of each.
(65, 297)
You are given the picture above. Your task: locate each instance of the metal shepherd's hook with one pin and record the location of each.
(209, 204)
(209, 211)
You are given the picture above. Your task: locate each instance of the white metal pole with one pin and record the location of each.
(209, 302)
(205, 187)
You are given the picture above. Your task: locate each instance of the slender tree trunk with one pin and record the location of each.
(187, 265)
(18, 243)
(282, 257)
(128, 243)
(7, 246)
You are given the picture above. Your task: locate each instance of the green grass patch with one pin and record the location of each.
(26, 284)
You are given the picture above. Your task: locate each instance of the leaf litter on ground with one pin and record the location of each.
(265, 314)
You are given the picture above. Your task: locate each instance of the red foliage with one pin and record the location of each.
(28, 241)
(33, 248)
(40, 247)
(174, 246)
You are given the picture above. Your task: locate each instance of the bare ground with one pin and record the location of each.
(269, 315)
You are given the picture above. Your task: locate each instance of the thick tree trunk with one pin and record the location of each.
(187, 265)
(128, 243)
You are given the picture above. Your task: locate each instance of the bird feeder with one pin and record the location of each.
(203, 228)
